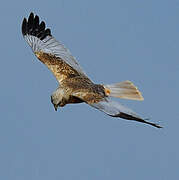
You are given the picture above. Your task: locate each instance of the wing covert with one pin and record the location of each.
(41, 41)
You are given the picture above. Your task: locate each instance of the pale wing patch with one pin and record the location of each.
(115, 109)
(51, 46)
(40, 40)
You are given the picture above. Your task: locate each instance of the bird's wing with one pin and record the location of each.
(115, 109)
(48, 50)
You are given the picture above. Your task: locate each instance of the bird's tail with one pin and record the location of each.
(125, 90)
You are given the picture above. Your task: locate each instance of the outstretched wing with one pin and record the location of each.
(115, 109)
(48, 50)
(97, 99)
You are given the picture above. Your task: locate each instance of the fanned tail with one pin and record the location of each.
(125, 90)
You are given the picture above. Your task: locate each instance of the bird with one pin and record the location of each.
(74, 86)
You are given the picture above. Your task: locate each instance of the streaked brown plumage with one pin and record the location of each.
(58, 67)
(72, 81)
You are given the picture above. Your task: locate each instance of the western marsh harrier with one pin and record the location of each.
(74, 84)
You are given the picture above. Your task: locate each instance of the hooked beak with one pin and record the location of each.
(55, 106)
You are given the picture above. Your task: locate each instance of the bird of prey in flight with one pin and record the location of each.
(74, 85)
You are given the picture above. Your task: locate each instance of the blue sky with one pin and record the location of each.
(113, 41)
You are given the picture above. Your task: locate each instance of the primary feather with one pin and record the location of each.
(115, 109)
(41, 41)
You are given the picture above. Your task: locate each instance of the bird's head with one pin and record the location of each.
(57, 98)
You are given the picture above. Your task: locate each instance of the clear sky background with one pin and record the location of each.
(113, 41)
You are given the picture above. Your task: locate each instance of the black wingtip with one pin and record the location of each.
(31, 14)
(130, 117)
(146, 120)
(153, 124)
(32, 26)
(24, 26)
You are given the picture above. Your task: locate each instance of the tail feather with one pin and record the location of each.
(125, 90)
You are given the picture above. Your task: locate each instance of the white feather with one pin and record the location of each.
(52, 46)
(113, 108)
(125, 90)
